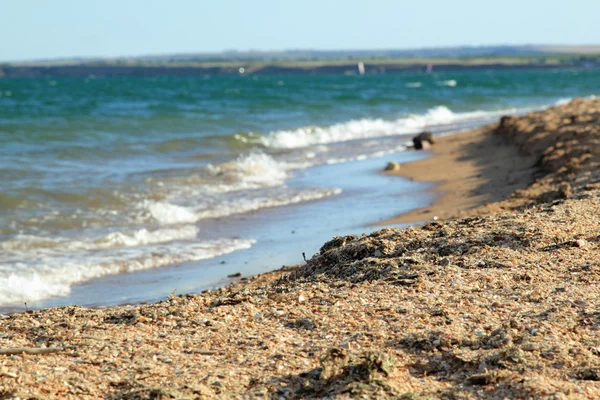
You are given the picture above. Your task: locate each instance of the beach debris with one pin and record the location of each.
(481, 379)
(423, 140)
(587, 374)
(341, 372)
(303, 323)
(235, 275)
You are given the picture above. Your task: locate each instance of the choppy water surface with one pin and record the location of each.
(106, 176)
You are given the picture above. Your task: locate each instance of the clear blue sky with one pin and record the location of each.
(38, 29)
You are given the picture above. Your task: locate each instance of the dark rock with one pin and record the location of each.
(423, 140)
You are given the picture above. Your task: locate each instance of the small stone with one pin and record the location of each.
(392, 166)
(533, 331)
(444, 262)
(580, 243)
(301, 298)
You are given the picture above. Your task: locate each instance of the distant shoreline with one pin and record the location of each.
(291, 68)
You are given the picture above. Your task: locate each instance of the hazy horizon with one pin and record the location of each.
(592, 48)
(66, 29)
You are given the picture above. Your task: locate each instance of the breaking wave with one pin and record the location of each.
(40, 273)
(371, 128)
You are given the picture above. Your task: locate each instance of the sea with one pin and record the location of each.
(126, 189)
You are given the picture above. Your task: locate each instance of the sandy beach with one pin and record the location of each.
(466, 175)
(500, 302)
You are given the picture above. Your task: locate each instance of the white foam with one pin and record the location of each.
(144, 236)
(45, 273)
(413, 85)
(374, 154)
(449, 82)
(563, 101)
(250, 171)
(240, 206)
(167, 213)
(111, 240)
(371, 128)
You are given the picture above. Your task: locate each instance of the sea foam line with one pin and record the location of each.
(167, 213)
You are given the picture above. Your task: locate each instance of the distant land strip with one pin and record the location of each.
(314, 62)
(348, 67)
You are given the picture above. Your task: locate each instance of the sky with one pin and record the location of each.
(47, 29)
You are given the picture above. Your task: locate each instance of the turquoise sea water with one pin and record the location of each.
(101, 177)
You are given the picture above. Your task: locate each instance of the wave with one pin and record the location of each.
(371, 128)
(251, 171)
(112, 240)
(44, 273)
(253, 204)
(167, 213)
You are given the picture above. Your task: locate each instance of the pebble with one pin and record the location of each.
(444, 262)
(580, 243)
(533, 331)
(392, 166)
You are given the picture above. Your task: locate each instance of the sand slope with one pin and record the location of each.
(470, 168)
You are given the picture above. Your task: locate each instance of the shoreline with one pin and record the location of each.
(500, 304)
(282, 234)
(465, 177)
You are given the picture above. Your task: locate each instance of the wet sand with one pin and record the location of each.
(503, 303)
(469, 169)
